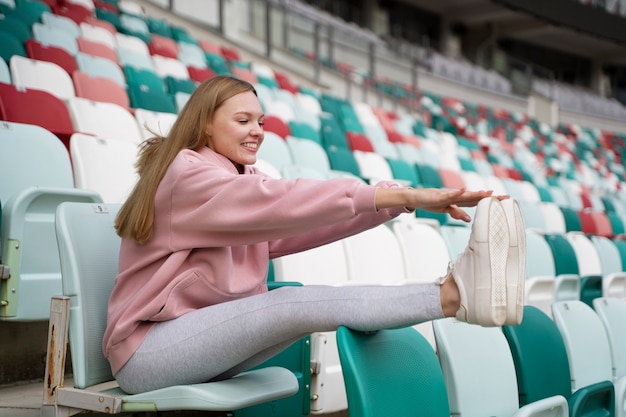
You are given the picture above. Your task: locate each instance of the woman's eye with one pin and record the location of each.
(261, 123)
(243, 121)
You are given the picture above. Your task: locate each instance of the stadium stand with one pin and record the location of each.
(342, 100)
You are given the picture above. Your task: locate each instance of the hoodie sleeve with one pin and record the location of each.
(209, 205)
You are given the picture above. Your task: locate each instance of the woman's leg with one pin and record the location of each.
(224, 339)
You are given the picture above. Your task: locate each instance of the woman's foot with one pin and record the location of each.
(485, 271)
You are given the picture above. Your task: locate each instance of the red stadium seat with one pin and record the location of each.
(100, 89)
(276, 125)
(49, 53)
(36, 107)
(359, 142)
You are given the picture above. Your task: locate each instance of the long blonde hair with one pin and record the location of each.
(136, 217)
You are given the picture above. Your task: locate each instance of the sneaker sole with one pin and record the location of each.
(516, 268)
(491, 247)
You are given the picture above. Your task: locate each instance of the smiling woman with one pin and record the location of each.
(190, 302)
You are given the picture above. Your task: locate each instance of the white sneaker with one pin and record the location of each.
(516, 265)
(480, 271)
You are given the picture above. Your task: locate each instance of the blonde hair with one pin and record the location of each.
(136, 216)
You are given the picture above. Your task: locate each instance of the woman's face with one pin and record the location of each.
(237, 128)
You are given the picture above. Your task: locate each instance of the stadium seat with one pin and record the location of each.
(41, 75)
(612, 313)
(158, 122)
(88, 274)
(391, 372)
(171, 67)
(104, 120)
(102, 89)
(191, 55)
(61, 22)
(276, 125)
(540, 273)
(373, 167)
(135, 26)
(589, 268)
(613, 275)
(374, 257)
(106, 166)
(38, 108)
(342, 159)
(132, 43)
(10, 46)
(323, 265)
(424, 251)
(567, 285)
(95, 48)
(175, 85)
(163, 46)
(96, 66)
(587, 346)
(16, 27)
(276, 151)
(200, 74)
(39, 51)
(479, 373)
(543, 369)
(49, 35)
(310, 154)
(41, 178)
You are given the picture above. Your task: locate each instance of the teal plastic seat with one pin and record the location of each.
(89, 250)
(391, 373)
(480, 375)
(567, 284)
(41, 178)
(542, 367)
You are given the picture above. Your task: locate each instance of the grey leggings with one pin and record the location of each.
(220, 341)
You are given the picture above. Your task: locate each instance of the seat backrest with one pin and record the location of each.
(374, 257)
(539, 356)
(158, 122)
(97, 66)
(49, 35)
(391, 372)
(586, 254)
(321, 265)
(424, 250)
(100, 88)
(373, 167)
(89, 250)
(275, 151)
(106, 166)
(40, 175)
(308, 153)
(456, 239)
(41, 75)
(48, 166)
(610, 259)
(104, 120)
(612, 313)
(478, 369)
(586, 343)
(36, 107)
(50, 53)
(565, 261)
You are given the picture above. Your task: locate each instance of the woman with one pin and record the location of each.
(190, 303)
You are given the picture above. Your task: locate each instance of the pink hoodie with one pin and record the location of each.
(214, 233)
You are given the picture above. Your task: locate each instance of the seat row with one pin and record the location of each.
(411, 251)
(567, 365)
(570, 366)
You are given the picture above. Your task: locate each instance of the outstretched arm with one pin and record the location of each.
(437, 200)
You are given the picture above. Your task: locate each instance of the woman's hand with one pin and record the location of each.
(436, 200)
